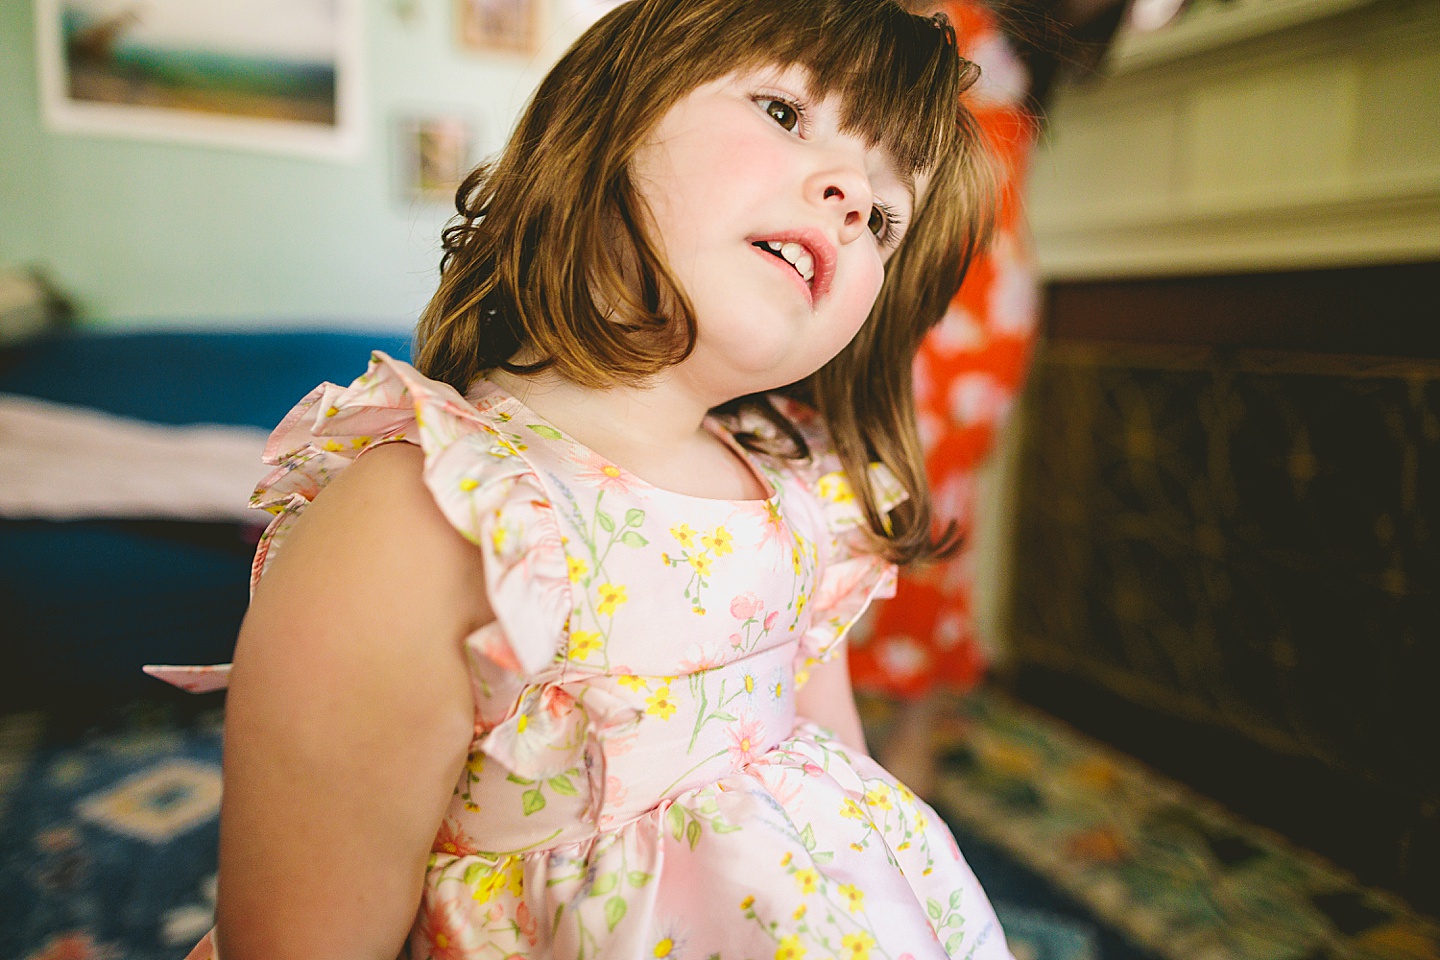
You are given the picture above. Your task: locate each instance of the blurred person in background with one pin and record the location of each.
(972, 364)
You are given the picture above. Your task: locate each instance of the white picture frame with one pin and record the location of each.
(279, 76)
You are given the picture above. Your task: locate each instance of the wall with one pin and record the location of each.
(165, 234)
(1250, 135)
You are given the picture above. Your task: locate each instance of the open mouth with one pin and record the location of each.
(792, 253)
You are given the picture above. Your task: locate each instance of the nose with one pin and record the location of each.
(842, 189)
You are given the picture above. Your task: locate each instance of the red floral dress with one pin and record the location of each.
(967, 374)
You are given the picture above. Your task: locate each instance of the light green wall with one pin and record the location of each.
(168, 234)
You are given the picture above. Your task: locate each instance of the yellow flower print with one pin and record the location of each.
(853, 897)
(856, 945)
(332, 411)
(498, 536)
(468, 484)
(921, 821)
(879, 797)
(785, 860)
(577, 567)
(807, 879)
(612, 595)
(630, 682)
(779, 690)
(659, 704)
(701, 562)
(749, 683)
(359, 442)
(835, 488)
(905, 792)
(799, 912)
(476, 763)
(582, 644)
(747, 903)
(663, 948)
(800, 603)
(684, 534)
(790, 948)
(334, 446)
(853, 811)
(508, 874)
(719, 541)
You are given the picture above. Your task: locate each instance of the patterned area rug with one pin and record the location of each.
(107, 840)
(107, 849)
(1176, 874)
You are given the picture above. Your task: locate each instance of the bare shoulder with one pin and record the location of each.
(349, 717)
(375, 532)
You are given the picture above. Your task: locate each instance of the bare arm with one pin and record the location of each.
(829, 700)
(348, 720)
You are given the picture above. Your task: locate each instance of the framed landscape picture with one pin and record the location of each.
(509, 25)
(435, 157)
(276, 75)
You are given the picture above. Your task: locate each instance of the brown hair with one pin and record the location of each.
(551, 252)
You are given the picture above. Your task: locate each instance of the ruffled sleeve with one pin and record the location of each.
(481, 483)
(849, 576)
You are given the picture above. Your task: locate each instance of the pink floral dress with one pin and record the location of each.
(639, 784)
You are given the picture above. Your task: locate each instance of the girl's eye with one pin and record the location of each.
(785, 114)
(885, 224)
(877, 222)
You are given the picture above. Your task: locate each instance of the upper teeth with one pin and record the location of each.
(804, 263)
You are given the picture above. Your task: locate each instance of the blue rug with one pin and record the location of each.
(108, 842)
(108, 847)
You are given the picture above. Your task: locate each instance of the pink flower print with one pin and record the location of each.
(705, 659)
(441, 930)
(745, 606)
(452, 840)
(746, 742)
(525, 920)
(770, 619)
(615, 791)
(599, 472)
(557, 702)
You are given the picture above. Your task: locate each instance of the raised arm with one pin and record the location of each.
(348, 720)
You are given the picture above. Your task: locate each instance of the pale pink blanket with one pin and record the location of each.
(62, 462)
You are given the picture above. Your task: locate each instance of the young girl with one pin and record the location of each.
(555, 669)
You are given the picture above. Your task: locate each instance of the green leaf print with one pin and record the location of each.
(549, 433)
(807, 837)
(607, 522)
(561, 784)
(473, 871)
(932, 907)
(634, 517)
(955, 900)
(637, 878)
(515, 778)
(692, 833)
(952, 945)
(532, 800)
(676, 818)
(632, 539)
(604, 884)
(614, 911)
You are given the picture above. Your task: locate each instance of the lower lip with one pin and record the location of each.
(784, 266)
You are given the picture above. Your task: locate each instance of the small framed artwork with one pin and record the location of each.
(435, 156)
(254, 74)
(508, 25)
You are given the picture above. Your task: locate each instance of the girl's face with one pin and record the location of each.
(777, 225)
